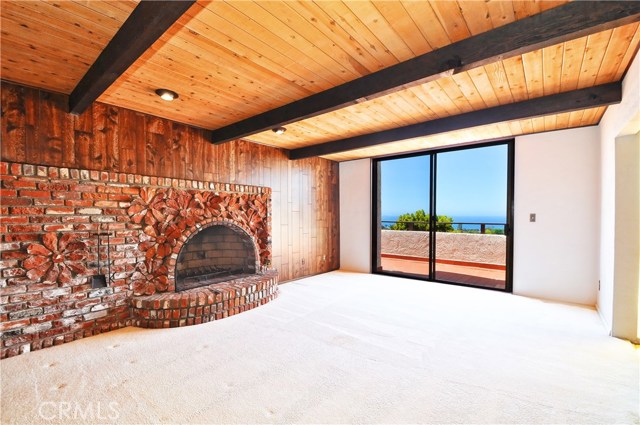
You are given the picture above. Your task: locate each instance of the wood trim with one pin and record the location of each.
(602, 95)
(560, 24)
(442, 261)
(148, 21)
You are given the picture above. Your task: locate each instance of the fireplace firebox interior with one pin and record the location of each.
(214, 255)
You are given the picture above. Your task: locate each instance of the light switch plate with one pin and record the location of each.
(532, 217)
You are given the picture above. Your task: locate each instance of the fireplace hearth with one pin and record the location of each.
(205, 303)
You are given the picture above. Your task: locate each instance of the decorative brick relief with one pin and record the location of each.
(170, 216)
(57, 259)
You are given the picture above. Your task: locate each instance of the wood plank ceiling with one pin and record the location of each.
(235, 59)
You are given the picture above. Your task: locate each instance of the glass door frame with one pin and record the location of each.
(432, 153)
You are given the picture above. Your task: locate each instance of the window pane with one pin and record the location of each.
(404, 209)
(471, 205)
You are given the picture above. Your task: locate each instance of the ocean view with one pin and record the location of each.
(461, 218)
(470, 187)
(390, 219)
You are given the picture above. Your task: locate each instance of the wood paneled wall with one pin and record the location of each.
(37, 130)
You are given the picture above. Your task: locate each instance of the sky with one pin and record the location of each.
(470, 182)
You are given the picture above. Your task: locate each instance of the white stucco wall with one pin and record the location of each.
(557, 178)
(627, 239)
(619, 120)
(355, 215)
(468, 247)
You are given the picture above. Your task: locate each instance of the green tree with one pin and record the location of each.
(494, 231)
(419, 220)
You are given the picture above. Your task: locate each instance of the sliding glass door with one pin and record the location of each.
(446, 215)
(405, 185)
(471, 197)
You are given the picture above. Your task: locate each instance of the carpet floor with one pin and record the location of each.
(342, 348)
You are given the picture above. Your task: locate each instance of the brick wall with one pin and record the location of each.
(48, 253)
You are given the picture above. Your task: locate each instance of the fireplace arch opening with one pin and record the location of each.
(215, 254)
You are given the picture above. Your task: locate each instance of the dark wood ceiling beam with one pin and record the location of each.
(148, 21)
(573, 20)
(602, 95)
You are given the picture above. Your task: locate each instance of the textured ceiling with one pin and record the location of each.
(235, 59)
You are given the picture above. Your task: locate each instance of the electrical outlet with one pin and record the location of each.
(532, 217)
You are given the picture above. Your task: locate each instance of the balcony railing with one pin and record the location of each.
(456, 226)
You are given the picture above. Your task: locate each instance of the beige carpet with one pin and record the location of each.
(342, 348)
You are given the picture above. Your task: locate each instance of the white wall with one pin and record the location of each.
(557, 178)
(355, 215)
(552, 260)
(619, 120)
(627, 238)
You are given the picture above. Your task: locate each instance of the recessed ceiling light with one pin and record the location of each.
(279, 130)
(167, 94)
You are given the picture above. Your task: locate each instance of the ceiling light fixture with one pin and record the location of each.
(167, 94)
(279, 130)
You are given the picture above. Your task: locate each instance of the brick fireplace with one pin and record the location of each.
(64, 176)
(181, 252)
